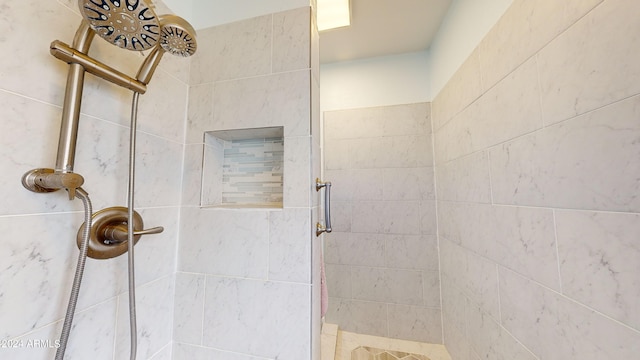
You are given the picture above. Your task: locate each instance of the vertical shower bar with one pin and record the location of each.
(72, 101)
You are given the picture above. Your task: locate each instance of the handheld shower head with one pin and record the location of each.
(177, 38)
(129, 24)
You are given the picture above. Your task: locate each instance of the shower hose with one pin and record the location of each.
(77, 280)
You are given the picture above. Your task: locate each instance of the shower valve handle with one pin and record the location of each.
(119, 233)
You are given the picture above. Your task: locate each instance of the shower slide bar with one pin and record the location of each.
(327, 207)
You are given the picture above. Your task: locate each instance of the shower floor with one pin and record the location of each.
(343, 345)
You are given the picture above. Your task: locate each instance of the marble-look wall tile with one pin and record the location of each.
(415, 324)
(521, 239)
(341, 216)
(358, 316)
(508, 110)
(154, 315)
(192, 177)
(188, 308)
(472, 274)
(276, 322)
(199, 113)
(264, 101)
(158, 180)
(163, 107)
(600, 261)
(362, 249)
(336, 154)
(355, 184)
(233, 245)
(554, 327)
(461, 90)
(163, 354)
(35, 268)
(418, 252)
(290, 245)
(456, 342)
(584, 163)
(387, 285)
(297, 172)
(407, 184)
(92, 332)
(465, 179)
(26, 122)
(428, 224)
(387, 217)
(155, 254)
(389, 152)
(431, 289)
(338, 281)
(239, 49)
(523, 30)
(593, 63)
(191, 352)
(490, 341)
(31, 24)
(291, 40)
(394, 120)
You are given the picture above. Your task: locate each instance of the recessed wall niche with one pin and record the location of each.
(243, 168)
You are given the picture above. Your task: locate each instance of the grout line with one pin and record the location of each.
(555, 234)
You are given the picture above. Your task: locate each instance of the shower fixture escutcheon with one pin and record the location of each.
(109, 232)
(43, 180)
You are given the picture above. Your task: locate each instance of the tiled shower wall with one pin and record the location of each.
(537, 143)
(39, 251)
(246, 276)
(382, 256)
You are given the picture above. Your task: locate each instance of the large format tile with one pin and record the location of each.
(592, 64)
(186, 351)
(415, 324)
(523, 30)
(358, 316)
(276, 322)
(291, 40)
(508, 110)
(239, 49)
(589, 162)
(387, 285)
(235, 245)
(461, 90)
(188, 308)
(274, 100)
(600, 262)
(554, 327)
(521, 239)
(465, 179)
(290, 245)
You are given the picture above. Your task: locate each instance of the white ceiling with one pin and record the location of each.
(384, 27)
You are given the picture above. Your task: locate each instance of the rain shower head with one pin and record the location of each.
(129, 24)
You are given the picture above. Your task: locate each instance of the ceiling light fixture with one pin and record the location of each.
(333, 14)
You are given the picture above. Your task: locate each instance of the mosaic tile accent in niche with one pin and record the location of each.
(252, 171)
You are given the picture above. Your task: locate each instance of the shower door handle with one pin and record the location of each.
(327, 207)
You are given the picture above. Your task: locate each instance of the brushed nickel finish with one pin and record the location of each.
(67, 54)
(48, 180)
(128, 24)
(109, 232)
(327, 207)
(178, 36)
